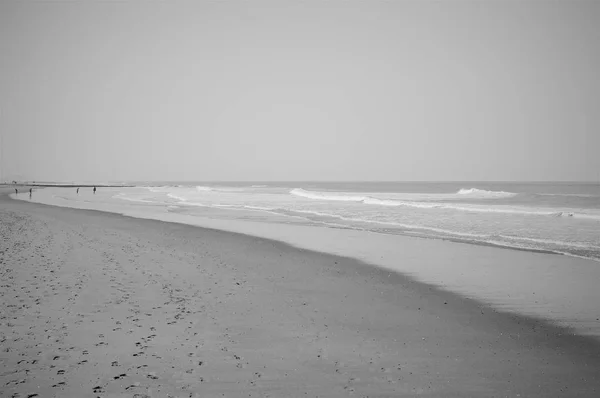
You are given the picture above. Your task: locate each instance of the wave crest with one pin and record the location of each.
(472, 208)
(202, 188)
(359, 199)
(325, 196)
(484, 193)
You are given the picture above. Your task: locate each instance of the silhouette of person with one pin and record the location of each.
(16, 191)
(30, 192)
(94, 190)
(77, 190)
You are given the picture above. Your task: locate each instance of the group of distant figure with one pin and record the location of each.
(31, 191)
(93, 190)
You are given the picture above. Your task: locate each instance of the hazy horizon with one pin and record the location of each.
(300, 91)
(272, 182)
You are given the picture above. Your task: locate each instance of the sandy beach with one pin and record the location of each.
(100, 305)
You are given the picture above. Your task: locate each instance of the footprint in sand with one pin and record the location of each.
(134, 385)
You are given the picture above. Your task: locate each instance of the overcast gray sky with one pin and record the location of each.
(300, 90)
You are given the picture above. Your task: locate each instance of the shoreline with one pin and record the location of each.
(407, 233)
(464, 326)
(560, 330)
(531, 283)
(61, 185)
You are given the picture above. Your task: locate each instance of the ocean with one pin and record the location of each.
(562, 218)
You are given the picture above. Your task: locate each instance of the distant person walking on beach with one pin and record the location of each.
(94, 190)
(16, 191)
(77, 190)
(30, 192)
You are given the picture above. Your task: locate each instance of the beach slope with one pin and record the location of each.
(97, 304)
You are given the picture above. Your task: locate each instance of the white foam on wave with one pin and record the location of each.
(159, 189)
(475, 208)
(411, 227)
(352, 197)
(389, 202)
(177, 197)
(326, 196)
(482, 193)
(252, 208)
(533, 211)
(359, 199)
(122, 196)
(552, 242)
(202, 188)
(394, 224)
(263, 210)
(509, 241)
(510, 210)
(577, 255)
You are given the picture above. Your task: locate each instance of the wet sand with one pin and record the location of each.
(97, 304)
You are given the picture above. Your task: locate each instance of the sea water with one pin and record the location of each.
(562, 218)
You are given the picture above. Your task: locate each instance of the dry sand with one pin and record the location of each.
(100, 305)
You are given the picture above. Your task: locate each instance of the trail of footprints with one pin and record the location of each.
(159, 319)
(37, 265)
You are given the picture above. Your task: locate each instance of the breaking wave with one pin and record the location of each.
(177, 197)
(339, 196)
(325, 196)
(202, 188)
(482, 193)
(122, 196)
(393, 224)
(359, 199)
(442, 205)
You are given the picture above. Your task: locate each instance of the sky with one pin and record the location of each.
(300, 90)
